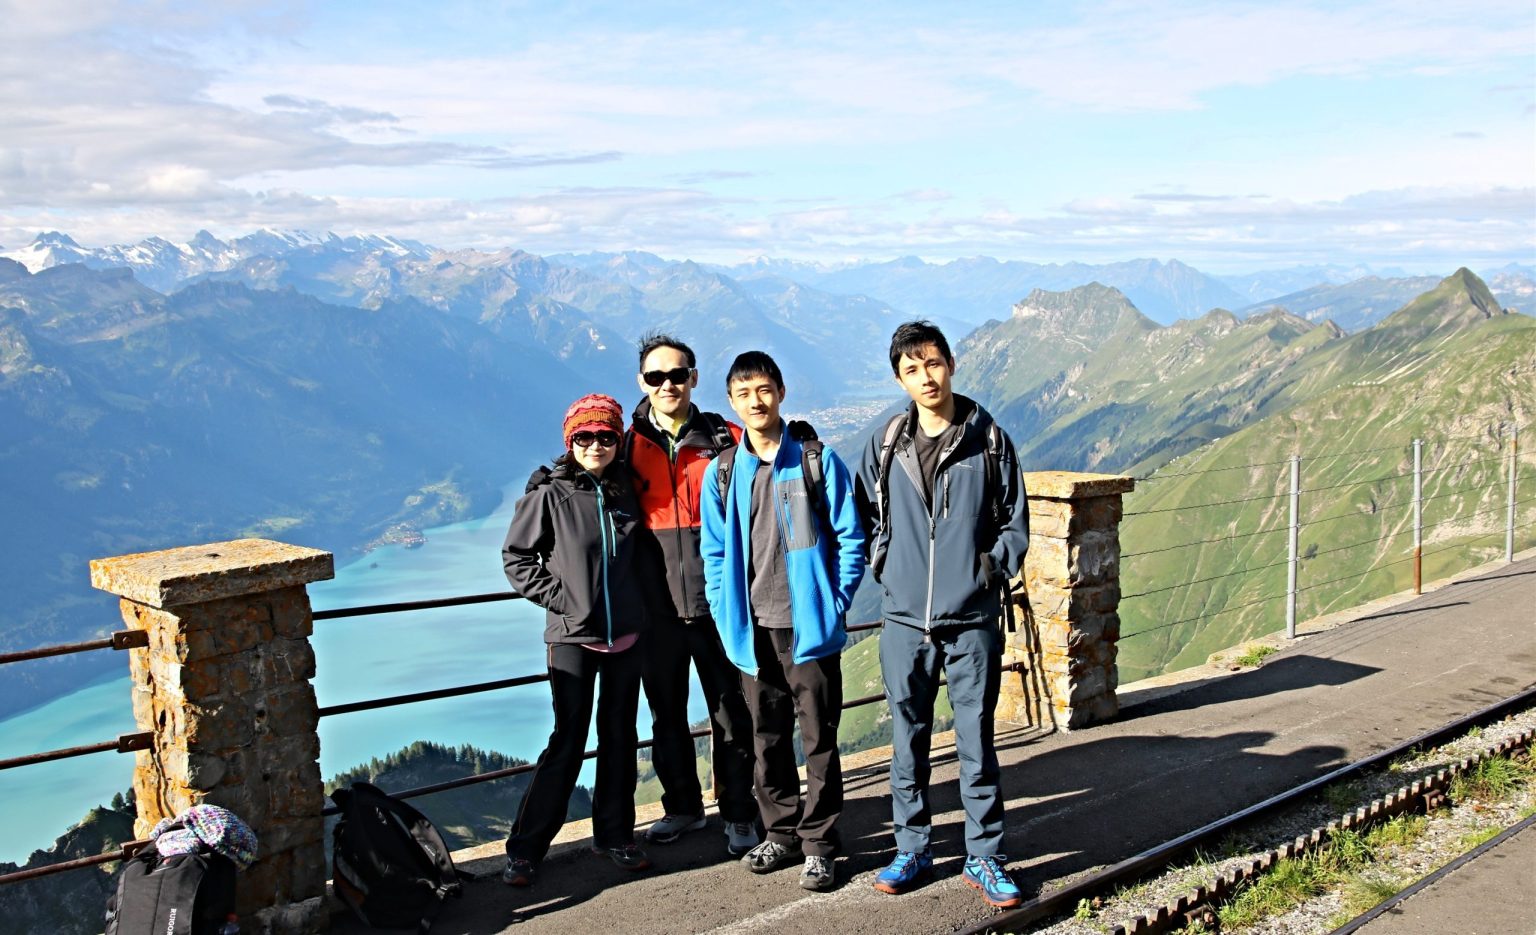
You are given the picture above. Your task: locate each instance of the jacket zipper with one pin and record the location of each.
(933, 515)
(602, 532)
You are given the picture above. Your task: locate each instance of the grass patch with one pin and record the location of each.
(1255, 656)
(1494, 778)
(1344, 796)
(1292, 882)
(1400, 831)
(1479, 837)
(1363, 893)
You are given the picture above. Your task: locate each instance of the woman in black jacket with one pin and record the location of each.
(577, 548)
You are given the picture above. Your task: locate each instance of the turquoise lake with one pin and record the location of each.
(357, 658)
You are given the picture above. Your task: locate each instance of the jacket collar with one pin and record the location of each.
(967, 413)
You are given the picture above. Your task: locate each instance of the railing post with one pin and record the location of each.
(1290, 587)
(1418, 518)
(1068, 631)
(1514, 465)
(224, 686)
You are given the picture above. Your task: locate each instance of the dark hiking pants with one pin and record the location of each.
(970, 657)
(668, 648)
(784, 692)
(573, 671)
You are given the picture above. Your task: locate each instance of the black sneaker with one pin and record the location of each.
(625, 856)
(770, 856)
(519, 872)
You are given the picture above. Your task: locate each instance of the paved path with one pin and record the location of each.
(1082, 800)
(1491, 895)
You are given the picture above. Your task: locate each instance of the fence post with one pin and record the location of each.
(1418, 518)
(1290, 588)
(224, 686)
(1068, 636)
(1514, 464)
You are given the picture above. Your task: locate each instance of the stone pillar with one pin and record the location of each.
(224, 686)
(1068, 621)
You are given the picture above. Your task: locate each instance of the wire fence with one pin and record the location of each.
(1474, 475)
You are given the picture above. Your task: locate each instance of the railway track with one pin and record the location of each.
(1424, 793)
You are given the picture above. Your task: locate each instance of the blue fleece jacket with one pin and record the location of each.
(823, 564)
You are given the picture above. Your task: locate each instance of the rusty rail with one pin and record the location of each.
(121, 639)
(125, 743)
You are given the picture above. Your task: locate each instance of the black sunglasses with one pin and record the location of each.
(588, 439)
(676, 376)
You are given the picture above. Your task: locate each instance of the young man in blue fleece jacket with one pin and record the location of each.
(943, 502)
(780, 569)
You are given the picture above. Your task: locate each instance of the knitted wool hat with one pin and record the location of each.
(593, 412)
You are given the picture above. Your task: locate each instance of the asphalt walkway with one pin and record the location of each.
(1077, 801)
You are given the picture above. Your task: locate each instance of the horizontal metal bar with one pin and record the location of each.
(125, 743)
(416, 605)
(414, 697)
(123, 853)
(519, 770)
(122, 639)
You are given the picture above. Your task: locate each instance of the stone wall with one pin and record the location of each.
(224, 685)
(1067, 602)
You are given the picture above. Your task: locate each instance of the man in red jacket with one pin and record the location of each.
(669, 444)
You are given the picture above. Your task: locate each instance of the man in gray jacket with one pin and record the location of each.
(943, 503)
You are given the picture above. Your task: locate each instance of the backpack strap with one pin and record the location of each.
(993, 462)
(726, 459)
(719, 431)
(882, 481)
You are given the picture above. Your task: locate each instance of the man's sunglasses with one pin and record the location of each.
(588, 439)
(677, 376)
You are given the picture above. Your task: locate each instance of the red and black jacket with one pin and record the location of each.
(668, 487)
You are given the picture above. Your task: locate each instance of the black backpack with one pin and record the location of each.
(184, 894)
(388, 863)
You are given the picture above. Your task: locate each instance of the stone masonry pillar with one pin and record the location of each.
(224, 686)
(1068, 620)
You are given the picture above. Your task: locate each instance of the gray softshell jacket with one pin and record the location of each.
(578, 550)
(944, 566)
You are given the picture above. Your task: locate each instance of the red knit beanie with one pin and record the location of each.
(593, 412)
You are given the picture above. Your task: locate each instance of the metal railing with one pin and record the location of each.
(142, 741)
(1291, 490)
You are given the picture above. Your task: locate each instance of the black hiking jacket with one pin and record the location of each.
(578, 549)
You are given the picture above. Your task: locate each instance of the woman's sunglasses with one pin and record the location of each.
(677, 376)
(588, 439)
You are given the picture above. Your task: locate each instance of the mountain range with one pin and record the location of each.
(1207, 411)
(328, 389)
(136, 421)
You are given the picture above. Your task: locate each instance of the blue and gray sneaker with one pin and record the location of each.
(997, 888)
(905, 872)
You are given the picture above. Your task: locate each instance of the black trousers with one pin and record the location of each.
(573, 673)
(783, 693)
(669, 647)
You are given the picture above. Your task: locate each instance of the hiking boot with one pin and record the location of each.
(519, 872)
(740, 837)
(625, 856)
(770, 856)
(817, 874)
(672, 827)
(997, 888)
(905, 872)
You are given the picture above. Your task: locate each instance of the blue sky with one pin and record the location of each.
(1233, 136)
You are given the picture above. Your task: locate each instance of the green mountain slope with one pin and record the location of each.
(1450, 367)
(1103, 386)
